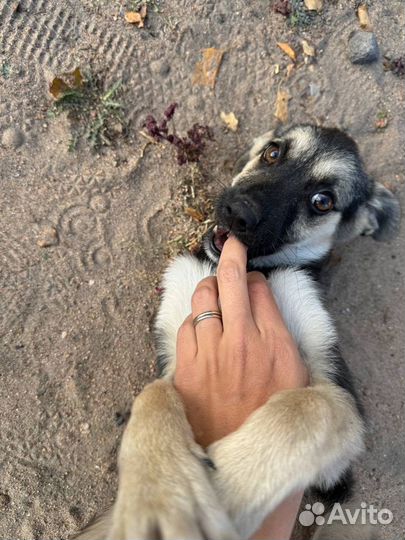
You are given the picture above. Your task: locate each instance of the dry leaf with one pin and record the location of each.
(285, 47)
(195, 214)
(313, 5)
(308, 49)
(230, 120)
(58, 88)
(364, 19)
(71, 81)
(282, 105)
(78, 78)
(289, 70)
(143, 11)
(206, 70)
(133, 17)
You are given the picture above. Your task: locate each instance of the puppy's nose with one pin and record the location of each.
(241, 215)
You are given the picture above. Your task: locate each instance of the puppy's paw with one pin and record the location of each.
(164, 491)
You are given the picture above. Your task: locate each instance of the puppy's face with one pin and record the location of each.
(298, 191)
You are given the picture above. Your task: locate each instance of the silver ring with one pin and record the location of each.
(207, 315)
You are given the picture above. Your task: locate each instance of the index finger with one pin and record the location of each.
(232, 284)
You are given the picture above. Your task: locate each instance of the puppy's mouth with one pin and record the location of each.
(219, 237)
(215, 240)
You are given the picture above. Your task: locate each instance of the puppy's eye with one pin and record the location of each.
(271, 153)
(322, 202)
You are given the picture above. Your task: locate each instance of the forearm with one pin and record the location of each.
(280, 523)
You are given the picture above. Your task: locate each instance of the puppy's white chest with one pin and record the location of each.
(295, 292)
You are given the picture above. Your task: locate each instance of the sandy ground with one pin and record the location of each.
(75, 317)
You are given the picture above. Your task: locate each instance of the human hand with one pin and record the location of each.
(226, 370)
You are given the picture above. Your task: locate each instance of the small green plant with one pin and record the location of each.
(95, 112)
(300, 17)
(153, 5)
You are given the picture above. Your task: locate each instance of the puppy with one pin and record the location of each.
(298, 191)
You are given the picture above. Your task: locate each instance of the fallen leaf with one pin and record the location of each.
(77, 77)
(364, 19)
(313, 5)
(307, 48)
(230, 120)
(282, 99)
(135, 17)
(58, 88)
(276, 69)
(287, 49)
(206, 70)
(288, 70)
(194, 213)
(71, 81)
(143, 11)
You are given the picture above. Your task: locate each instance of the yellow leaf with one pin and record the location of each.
(230, 120)
(77, 78)
(288, 50)
(206, 71)
(281, 112)
(289, 70)
(143, 11)
(194, 213)
(364, 19)
(313, 5)
(133, 17)
(307, 48)
(70, 81)
(58, 88)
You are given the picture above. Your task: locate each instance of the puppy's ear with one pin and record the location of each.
(383, 215)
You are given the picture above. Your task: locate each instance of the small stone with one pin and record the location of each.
(363, 47)
(48, 237)
(12, 137)
(84, 428)
(160, 67)
(314, 90)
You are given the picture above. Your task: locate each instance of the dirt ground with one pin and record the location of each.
(75, 317)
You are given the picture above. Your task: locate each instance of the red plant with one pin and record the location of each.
(189, 148)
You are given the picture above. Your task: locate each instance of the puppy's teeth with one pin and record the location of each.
(215, 229)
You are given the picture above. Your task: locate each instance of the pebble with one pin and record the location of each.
(84, 428)
(363, 47)
(314, 90)
(48, 237)
(12, 137)
(160, 67)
